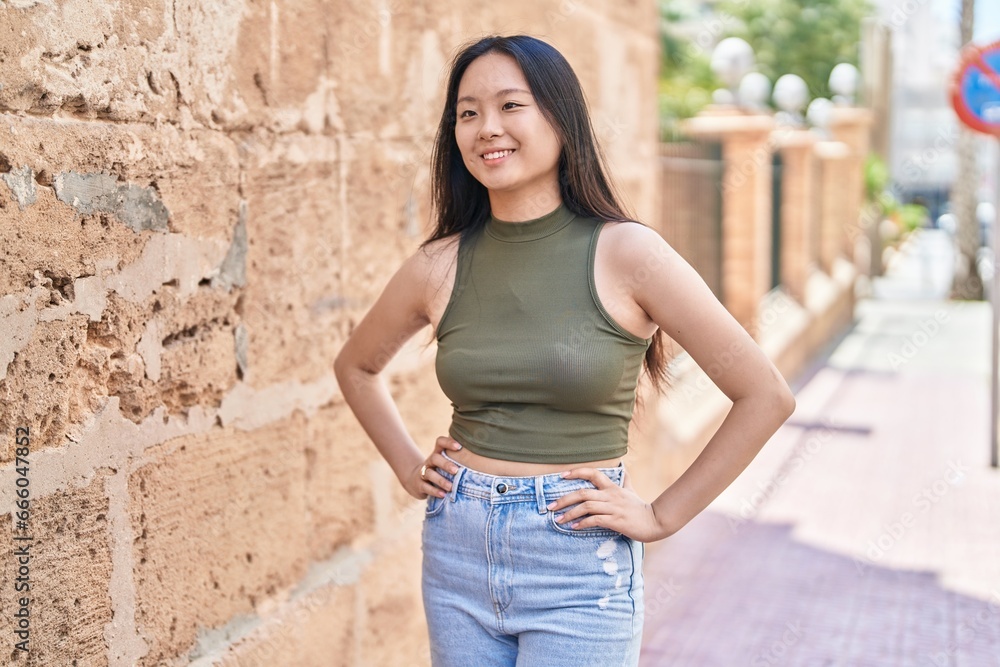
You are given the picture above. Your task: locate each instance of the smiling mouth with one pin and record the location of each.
(496, 156)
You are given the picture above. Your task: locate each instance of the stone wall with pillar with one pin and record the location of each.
(815, 302)
(836, 203)
(852, 127)
(799, 226)
(746, 204)
(199, 201)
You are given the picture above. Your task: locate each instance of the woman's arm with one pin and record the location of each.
(682, 305)
(395, 317)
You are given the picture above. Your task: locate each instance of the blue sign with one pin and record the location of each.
(976, 89)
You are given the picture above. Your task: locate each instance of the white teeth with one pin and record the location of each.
(493, 156)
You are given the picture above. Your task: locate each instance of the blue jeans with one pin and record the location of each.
(504, 585)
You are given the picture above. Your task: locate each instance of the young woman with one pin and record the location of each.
(545, 299)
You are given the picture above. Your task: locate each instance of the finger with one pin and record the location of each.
(598, 478)
(445, 442)
(434, 476)
(579, 512)
(592, 521)
(439, 461)
(435, 488)
(571, 498)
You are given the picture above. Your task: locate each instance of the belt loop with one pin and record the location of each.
(540, 493)
(454, 482)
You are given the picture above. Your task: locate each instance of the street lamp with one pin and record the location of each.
(844, 83)
(754, 90)
(790, 94)
(731, 59)
(818, 115)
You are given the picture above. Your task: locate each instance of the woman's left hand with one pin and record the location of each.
(608, 506)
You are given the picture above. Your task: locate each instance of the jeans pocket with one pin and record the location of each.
(434, 505)
(591, 531)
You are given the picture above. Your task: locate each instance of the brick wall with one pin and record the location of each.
(199, 201)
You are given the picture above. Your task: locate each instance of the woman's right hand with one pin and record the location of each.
(433, 482)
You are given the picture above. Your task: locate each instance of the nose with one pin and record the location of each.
(490, 127)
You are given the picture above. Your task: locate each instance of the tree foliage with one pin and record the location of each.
(686, 80)
(803, 37)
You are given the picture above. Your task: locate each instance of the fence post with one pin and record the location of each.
(833, 156)
(852, 126)
(798, 225)
(746, 205)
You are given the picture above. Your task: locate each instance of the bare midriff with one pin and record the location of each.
(493, 466)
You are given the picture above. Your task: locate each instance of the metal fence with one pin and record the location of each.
(691, 181)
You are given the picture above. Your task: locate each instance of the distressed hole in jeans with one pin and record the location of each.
(606, 552)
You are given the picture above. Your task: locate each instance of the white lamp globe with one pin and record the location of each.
(790, 93)
(722, 96)
(844, 81)
(818, 113)
(731, 59)
(754, 90)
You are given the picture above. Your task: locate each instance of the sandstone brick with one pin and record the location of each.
(49, 238)
(294, 269)
(220, 523)
(316, 631)
(75, 60)
(393, 627)
(191, 359)
(390, 65)
(373, 212)
(426, 411)
(194, 174)
(337, 480)
(38, 391)
(70, 568)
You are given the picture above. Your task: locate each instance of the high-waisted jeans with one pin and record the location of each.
(504, 585)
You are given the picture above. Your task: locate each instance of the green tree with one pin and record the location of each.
(686, 79)
(804, 37)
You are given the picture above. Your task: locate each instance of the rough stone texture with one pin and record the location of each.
(70, 567)
(220, 521)
(294, 262)
(318, 630)
(426, 411)
(338, 487)
(393, 626)
(38, 391)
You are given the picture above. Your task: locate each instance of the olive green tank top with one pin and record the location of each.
(535, 367)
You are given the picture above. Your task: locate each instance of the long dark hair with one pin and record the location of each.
(462, 203)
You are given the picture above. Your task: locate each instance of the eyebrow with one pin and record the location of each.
(500, 93)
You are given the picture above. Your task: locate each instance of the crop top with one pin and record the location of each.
(535, 367)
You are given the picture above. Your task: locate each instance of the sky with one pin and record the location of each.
(987, 28)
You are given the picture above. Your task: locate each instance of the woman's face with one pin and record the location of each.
(496, 111)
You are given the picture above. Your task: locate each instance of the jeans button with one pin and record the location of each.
(501, 488)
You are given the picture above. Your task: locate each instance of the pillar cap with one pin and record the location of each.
(722, 122)
(850, 116)
(832, 150)
(795, 138)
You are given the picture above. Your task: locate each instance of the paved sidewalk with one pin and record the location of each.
(867, 531)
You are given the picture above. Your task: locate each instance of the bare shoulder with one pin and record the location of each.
(438, 255)
(436, 261)
(633, 245)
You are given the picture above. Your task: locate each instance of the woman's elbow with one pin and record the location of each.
(787, 403)
(783, 399)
